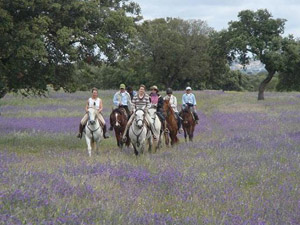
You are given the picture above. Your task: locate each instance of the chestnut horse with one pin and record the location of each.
(188, 123)
(118, 120)
(171, 123)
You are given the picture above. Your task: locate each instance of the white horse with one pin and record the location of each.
(93, 131)
(157, 126)
(139, 133)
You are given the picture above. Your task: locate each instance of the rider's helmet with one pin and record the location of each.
(169, 91)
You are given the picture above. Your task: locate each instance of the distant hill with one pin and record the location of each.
(254, 67)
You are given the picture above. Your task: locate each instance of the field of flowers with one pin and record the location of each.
(242, 168)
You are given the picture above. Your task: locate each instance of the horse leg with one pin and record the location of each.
(128, 140)
(167, 140)
(150, 142)
(185, 133)
(88, 142)
(97, 147)
(135, 151)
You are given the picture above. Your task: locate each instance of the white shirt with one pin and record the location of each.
(173, 102)
(94, 103)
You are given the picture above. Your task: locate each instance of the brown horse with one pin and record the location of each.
(118, 120)
(188, 123)
(172, 123)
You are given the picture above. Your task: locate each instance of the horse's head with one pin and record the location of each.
(92, 112)
(167, 109)
(152, 112)
(140, 118)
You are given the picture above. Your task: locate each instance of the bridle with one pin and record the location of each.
(94, 130)
(143, 126)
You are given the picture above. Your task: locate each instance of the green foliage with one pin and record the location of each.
(173, 51)
(41, 40)
(289, 76)
(257, 34)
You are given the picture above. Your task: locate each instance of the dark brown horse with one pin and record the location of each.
(118, 120)
(188, 123)
(172, 123)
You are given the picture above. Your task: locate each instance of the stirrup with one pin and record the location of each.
(79, 135)
(124, 139)
(111, 128)
(166, 130)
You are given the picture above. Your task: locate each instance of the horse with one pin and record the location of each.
(188, 123)
(156, 125)
(171, 123)
(118, 120)
(93, 131)
(139, 133)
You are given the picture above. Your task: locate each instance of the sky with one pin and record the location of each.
(217, 13)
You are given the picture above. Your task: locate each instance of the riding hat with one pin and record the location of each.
(188, 88)
(122, 86)
(154, 87)
(169, 91)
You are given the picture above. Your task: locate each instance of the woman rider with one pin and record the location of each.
(157, 100)
(138, 102)
(173, 102)
(96, 102)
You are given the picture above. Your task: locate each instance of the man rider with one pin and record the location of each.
(189, 100)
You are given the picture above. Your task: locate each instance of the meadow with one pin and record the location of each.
(242, 168)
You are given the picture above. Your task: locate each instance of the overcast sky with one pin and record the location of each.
(217, 13)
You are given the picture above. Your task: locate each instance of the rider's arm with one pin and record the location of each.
(148, 104)
(133, 104)
(174, 103)
(183, 100)
(194, 102)
(115, 100)
(87, 106)
(100, 106)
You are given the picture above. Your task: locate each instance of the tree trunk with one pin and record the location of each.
(263, 85)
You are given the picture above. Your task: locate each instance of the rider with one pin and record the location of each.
(157, 101)
(138, 102)
(122, 99)
(96, 102)
(131, 92)
(189, 100)
(173, 102)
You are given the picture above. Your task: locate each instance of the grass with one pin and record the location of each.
(242, 168)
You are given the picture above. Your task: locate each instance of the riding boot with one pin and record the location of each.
(196, 117)
(81, 127)
(104, 132)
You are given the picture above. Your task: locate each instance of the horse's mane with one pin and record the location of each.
(186, 110)
(117, 110)
(167, 102)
